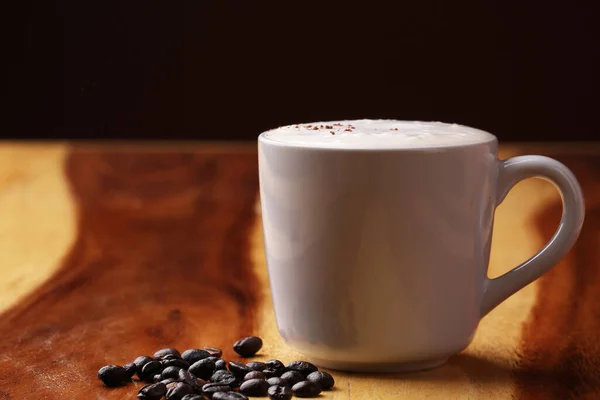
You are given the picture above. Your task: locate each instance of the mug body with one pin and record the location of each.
(377, 258)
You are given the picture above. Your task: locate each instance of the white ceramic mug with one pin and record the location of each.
(378, 257)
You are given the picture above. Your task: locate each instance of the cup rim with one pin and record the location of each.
(262, 138)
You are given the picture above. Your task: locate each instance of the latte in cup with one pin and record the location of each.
(378, 234)
(377, 134)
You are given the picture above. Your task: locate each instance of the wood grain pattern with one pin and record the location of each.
(109, 252)
(560, 354)
(160, 260)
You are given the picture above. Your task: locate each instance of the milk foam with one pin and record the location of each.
(376, 134)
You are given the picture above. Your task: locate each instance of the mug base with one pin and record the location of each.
(378, 367)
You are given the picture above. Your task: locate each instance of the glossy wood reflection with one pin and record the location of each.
(109, 252)
(160, 259)
(560, 354)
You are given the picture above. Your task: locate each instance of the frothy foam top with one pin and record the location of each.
(376, 134)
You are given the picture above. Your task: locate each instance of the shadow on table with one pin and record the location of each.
(461, 367)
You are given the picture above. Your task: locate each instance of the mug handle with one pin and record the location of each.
(511, 172)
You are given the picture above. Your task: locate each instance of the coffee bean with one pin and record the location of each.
(254, 388)
(192, 397)
(256, 365)
(194, 355)
(174, 362)
(168, 381)
(275, 364)
(170, 372)
(211, 388)
(321, 378)
(278, 392)
(306, 389)
(131, 369)
(248, 346)
(292, 377)
(220, 365)
(162, 353)
(178, 391)
(190, 379)
(156, 378)
(113, 375)
(304, 367)
(150, 369)
(213, 351)
(224, 377)
(273, 373)
(254, 375)
(277, 381)
(152, 392)
(169, 357)
(203, 368)
(239, 370)
(274, 368)
(140, 362)
(229, 396)
(171, 385)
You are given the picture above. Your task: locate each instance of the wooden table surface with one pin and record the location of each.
(112, 251)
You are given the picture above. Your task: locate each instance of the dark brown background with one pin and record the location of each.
(230, 69)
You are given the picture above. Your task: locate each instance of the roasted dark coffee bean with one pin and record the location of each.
(203, 368)
(211, 388)
(254, 375)
(150, 369)
(275, 364)
(140, 362)
(113, 375)
(321, 378)
(174, 362)
(279, 392)
(277, 381)
(254, 388)
(194, 355)
(190, 379)
(274, 369)
(273, 373)
(162, 353)
(157, 378)
(220, 365)
(178, 391)
(152, 392)
(213, 351)
(292, 377)
(192, 397)
(257, 365)
(248, 346)
(168, 381)
(229, 396)
(131, 369)
(169, 357)
(239, 370)
(170, 372)
(304, 367)
(306, 389)
(225, 377)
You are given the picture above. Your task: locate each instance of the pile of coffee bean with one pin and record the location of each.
(197, 374)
